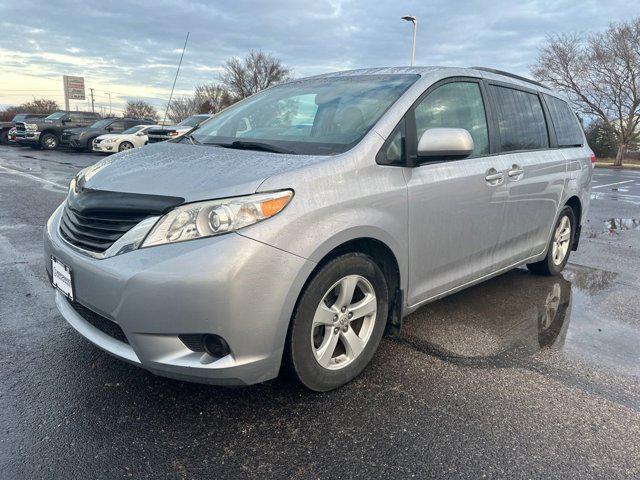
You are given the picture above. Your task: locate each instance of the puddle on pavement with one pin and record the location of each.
(617, 224)
(517, 317)
(616, 196)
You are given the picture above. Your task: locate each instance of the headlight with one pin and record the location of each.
(110, 140)
(32, 127)
(215, 217)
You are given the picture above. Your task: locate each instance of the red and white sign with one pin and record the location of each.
(73, 87)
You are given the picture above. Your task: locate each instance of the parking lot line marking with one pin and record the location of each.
(611, 184)
(32, 177)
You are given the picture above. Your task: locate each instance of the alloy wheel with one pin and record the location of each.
(343, 322)
(50, 142)
(561, 239)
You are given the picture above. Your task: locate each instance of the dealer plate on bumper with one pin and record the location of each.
(62, 277)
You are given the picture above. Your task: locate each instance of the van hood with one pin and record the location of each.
(193, 172)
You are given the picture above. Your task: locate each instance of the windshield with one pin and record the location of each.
(316, 116)
(56, 116)
(192, 121)
(135, 129)
(19, 118)
(101, 124)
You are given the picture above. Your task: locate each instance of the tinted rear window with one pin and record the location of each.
(565, 123)
(521, 122)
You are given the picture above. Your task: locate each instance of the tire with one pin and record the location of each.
(125, 146)
(49, 141)
(346, 342)
(89, 146)
(4, 137)
(557, 251)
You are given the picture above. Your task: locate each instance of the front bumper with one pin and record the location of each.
(72, 141)
(231, 286)
(104, 147)
(27, 137)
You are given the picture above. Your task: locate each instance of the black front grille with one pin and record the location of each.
(94, 219)
(20, 127)
(96, 232)
(101, 323)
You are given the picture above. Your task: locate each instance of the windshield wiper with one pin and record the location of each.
(245, 145)
(193, 141)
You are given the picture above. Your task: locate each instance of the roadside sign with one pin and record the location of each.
(73, 87)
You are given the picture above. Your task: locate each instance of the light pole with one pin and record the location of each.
(412, 19)
(109, 93)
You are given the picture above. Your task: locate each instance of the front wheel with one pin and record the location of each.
(559, 246)
(49, 141)
(338, 323)
(125, 146)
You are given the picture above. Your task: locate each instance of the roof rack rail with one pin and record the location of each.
(507, 74)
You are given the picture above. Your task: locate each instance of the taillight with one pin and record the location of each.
(593, 158)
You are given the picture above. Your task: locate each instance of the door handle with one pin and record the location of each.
(516, 172)
(494, 177)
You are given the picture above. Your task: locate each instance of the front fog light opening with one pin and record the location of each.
(213, 345)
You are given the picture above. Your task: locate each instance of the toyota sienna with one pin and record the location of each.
(293, 228)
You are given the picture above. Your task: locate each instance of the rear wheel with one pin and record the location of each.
(125, 146)
(559, 246)
(49, 141)
(338, 323)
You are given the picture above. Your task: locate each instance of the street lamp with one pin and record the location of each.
(412, 19)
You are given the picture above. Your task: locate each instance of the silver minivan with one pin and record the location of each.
(291, 230)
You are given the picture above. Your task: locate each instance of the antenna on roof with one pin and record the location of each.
(507, 74)
(175, 79)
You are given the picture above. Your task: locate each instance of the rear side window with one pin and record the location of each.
(521, 122)
(565, 123)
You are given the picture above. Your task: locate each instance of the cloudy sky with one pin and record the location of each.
(131, 48)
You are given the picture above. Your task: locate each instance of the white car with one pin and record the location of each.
(134, 137)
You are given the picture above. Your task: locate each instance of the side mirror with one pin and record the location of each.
(450, 143)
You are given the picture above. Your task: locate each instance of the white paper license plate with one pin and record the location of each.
(62, 277)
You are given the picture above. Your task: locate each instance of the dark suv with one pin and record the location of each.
(20, 117)
(82, 138)
(45, 133)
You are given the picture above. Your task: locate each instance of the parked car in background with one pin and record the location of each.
(134, 137)
(82, 138)
(162, 133)
(46, 132)
(5, 127)
(352, 200)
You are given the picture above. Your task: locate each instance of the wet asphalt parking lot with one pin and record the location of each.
(519, 377)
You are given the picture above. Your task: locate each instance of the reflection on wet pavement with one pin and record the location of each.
(519, 317)
(614, 224)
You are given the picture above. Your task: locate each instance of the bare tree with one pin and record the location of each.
(39, 105)
(255, 72)
(181, 108)
(211, 98)
(140, 109)
(601, 74)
